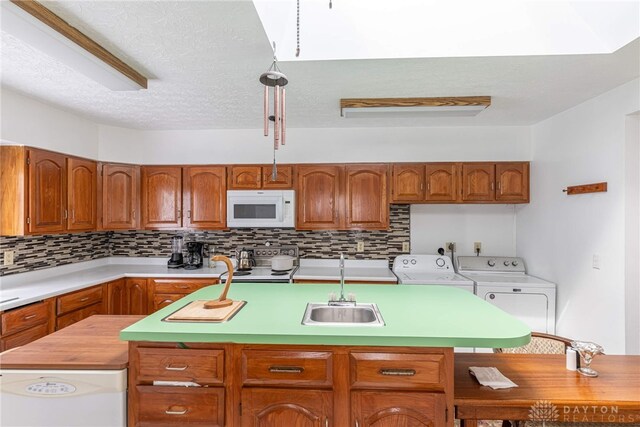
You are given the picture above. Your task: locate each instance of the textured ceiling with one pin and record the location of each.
(204, 58)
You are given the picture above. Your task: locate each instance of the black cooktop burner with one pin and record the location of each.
(280, 272)
(242, 272)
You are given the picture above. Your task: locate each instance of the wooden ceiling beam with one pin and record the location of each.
(52, 20)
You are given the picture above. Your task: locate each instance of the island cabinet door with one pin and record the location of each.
(392, 409)
(266, 407)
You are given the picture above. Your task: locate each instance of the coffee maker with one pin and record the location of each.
(194, 256)
(176, 259)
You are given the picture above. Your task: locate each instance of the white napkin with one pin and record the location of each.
(491, 377)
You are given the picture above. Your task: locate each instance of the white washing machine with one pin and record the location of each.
(429, 270)
(503, 282)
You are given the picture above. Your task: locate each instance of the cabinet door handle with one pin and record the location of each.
(66, 214)
(189, 214)
(397, 372)
(170, 411)
(286, 369)
(179, 213)
(357, 423)
(133, 214)
(84, 299)
(176, 368)
(492, 186)
(326, 422)
(31, 316)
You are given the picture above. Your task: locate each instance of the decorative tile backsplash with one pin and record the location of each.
(38, 252)
(33, 253)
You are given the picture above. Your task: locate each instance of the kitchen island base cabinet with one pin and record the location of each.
(263, 407)
(407, 409)
(290, 385)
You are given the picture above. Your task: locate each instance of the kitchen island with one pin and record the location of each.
(264, 366)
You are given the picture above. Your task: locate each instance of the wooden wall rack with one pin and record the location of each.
(598, 187)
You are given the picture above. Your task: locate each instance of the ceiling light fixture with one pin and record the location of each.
(413, 107)
(39, 27)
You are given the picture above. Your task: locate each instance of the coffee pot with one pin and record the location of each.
(194, 256)
(245, 259)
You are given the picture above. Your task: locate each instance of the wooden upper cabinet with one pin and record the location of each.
(245, 178)
(47, 209)
(478, 182)
(284, 177)
(120, 196)
(256, 177)
(161, 197)
(366, 197)
(319, 197)
(512, 182)
(82, 179)
(407, 182)
(205, 197)
(442, 182)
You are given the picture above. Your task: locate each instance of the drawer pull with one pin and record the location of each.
(182, 287)
(176, 368)
(172, 411)
(398, 372)
(286, 369)
(31, 316)
(84, 299)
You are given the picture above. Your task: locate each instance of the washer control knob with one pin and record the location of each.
(506, 263)
(491, 262)
(514, 263)
(440, 262)
(405, 261)
(413, 262)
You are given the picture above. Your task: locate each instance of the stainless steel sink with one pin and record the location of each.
(323, 314)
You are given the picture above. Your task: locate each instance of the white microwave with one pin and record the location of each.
(261, 208)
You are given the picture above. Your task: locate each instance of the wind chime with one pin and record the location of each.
(274, 80)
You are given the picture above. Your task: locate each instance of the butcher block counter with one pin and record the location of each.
(93, 343)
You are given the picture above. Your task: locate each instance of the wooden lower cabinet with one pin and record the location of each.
(137, 298)
(179, 406)
(290, 385)
(392, 409)
(75, 306)
(76, 316)
(163, 292)
(267, 407)
(117, 297)
(22, 325)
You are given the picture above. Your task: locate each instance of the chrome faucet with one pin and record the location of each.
(342, 300)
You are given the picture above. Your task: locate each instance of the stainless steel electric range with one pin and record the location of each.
(261, 271)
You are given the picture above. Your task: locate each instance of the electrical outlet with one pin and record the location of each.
(8, 257)
(405, 247)
(360, 246)
(450, 246)
(477, 247)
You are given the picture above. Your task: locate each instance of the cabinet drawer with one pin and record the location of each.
(171, 364)
(180, 406)
(398, 370)
(162, 286)
(24, 317)
(301, 368)
(75, 300)
(78, 315)
(24, 337)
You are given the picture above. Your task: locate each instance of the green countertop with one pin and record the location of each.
(422, 316)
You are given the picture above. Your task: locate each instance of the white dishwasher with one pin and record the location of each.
(63, 398)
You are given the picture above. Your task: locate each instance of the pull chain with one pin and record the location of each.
(297, 28)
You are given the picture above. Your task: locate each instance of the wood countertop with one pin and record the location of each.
(93, 343)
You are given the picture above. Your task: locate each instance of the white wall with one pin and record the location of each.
(315, 145)
(632, 235)
(25, 121)
(492, 225)
(559, 234)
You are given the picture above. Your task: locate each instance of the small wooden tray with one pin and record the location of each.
(195, 312)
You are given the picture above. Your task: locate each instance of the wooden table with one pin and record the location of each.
(545, 384)
(92, 343)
